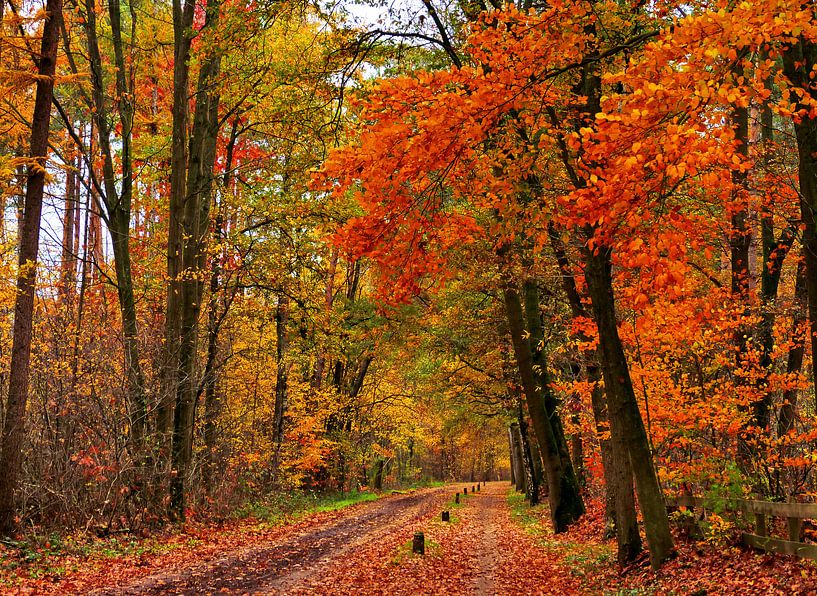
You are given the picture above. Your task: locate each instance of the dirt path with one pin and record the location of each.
(366, 551)
(295, 558)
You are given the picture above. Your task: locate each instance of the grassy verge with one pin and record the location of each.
(287, 508)
(585, 559)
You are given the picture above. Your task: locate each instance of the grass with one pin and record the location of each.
(585, 559)
(286, 508)
(55, 556)
(403, 552)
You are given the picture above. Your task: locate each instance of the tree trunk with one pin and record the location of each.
(212, 397)
(282, 344)
(563, 511)
(571, 491)
(195, 227)
(625, 417)
(117, 201)
(531, 481)
(182, 23)
(794, 362)
(14, 426)
(798, 64)
(520, 478)
(620, 509)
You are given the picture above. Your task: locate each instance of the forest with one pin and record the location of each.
(277, 270)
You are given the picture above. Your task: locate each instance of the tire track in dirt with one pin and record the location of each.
(487, 504)
(271, 568)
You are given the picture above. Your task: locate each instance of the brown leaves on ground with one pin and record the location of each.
(494, 544)
(698, 568)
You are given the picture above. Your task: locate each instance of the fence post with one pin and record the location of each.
(794, 528)
(418, 544)
(760, 524)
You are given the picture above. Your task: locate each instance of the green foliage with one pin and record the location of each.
(281, 508)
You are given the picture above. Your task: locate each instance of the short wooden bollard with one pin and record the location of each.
(465, 491)
(477, 486)
(473, 489)
(418, 545)
(457, 498)
(446, 516)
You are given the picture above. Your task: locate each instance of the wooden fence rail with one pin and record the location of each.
(795, 513)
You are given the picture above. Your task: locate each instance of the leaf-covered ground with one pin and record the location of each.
(494, 544)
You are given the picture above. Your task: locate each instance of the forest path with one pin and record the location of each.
(366, 550)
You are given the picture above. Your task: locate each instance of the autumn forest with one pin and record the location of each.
(287, 286)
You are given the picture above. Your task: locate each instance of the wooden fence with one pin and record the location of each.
(794, 513)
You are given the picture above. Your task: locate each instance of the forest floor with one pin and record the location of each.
(494, 544)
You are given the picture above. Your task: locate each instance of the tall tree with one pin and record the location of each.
(14, 427)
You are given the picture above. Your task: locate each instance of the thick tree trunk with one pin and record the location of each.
(625, 417)
(182, 22)
(620, 509)
(798, 64)
(195, 227)
(14, 426)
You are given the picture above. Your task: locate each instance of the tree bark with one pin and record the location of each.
(563, 509)
(620, 512)
(195, 228)
(625, 417)
(798, 63)
(282, 344)
(14, 426)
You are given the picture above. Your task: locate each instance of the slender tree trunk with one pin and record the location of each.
(117, 201)
(563, 511)
(531, 481)
(68, 263)
(740, 243)
(212, 397)
(794, 362)
(520, 476)
(282, 347)
(512, 455)
(14, 427)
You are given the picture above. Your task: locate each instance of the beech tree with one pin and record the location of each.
(15, 412)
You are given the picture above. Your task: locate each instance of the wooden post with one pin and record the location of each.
(794, 529)
(446, 516)
(465, 491)
(418, 544)
(760, 524)
(477, 486)
(473, 489)
(457, 498)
